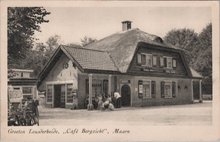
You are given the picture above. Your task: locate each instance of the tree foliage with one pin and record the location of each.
(199, 49)
(22, 23)
(37, 58)
(87, 40)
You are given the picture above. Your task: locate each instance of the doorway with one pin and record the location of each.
(196, 90)
(59, 96)
(125, 95)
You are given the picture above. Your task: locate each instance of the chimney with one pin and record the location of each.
(126, 25)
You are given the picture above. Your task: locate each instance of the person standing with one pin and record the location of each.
(118, 99)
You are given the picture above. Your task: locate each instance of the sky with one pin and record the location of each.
(73, 23)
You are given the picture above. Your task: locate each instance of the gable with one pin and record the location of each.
(62, 70)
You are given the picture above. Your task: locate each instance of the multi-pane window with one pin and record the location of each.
(147, 89)
(144, 59)
(168, 89)
(69, 93)
(148, 60)
(49, 93)
(169, 62)
(27, 92)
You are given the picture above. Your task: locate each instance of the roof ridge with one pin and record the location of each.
(119, 32)
(82, 48)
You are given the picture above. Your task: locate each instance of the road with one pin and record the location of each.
(190, 114)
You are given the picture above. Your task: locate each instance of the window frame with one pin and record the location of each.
(47, 86)
(171, 82)
(71, 94)
(151, 58)
(141, 84)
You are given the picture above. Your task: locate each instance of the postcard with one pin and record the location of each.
(109, 71)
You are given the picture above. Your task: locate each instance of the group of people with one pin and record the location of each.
(107, 102)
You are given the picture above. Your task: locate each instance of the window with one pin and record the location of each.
(168, 89)
(146, 89)
(174, 63)
(148, 60)
(169, 62)
(69, 93)
(49, 93)
(144, 59)
(161, 62)
(154, 60)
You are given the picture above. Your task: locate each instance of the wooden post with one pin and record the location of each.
(109, 84)
(90, 105)
(200, 91)
(192, 91)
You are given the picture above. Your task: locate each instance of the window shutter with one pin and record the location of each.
(161, 61)
(153, 89)
(143, 59)
(162, 89)
(154, 60)
(165, 62)
(139, 59)
(174, 89)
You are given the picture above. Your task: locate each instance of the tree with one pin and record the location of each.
(22, 23)
(185, 39)
(37, 58)
(199, 49)
(87, 40)
(203, 62)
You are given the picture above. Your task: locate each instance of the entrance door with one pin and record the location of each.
(59, 95)
(125, 95)
(196, 90)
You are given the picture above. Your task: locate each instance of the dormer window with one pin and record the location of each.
(167, 62)
(144, 59)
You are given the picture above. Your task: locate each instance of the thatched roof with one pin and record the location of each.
(122, 46)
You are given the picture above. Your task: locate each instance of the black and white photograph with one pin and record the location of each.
(109, 71)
